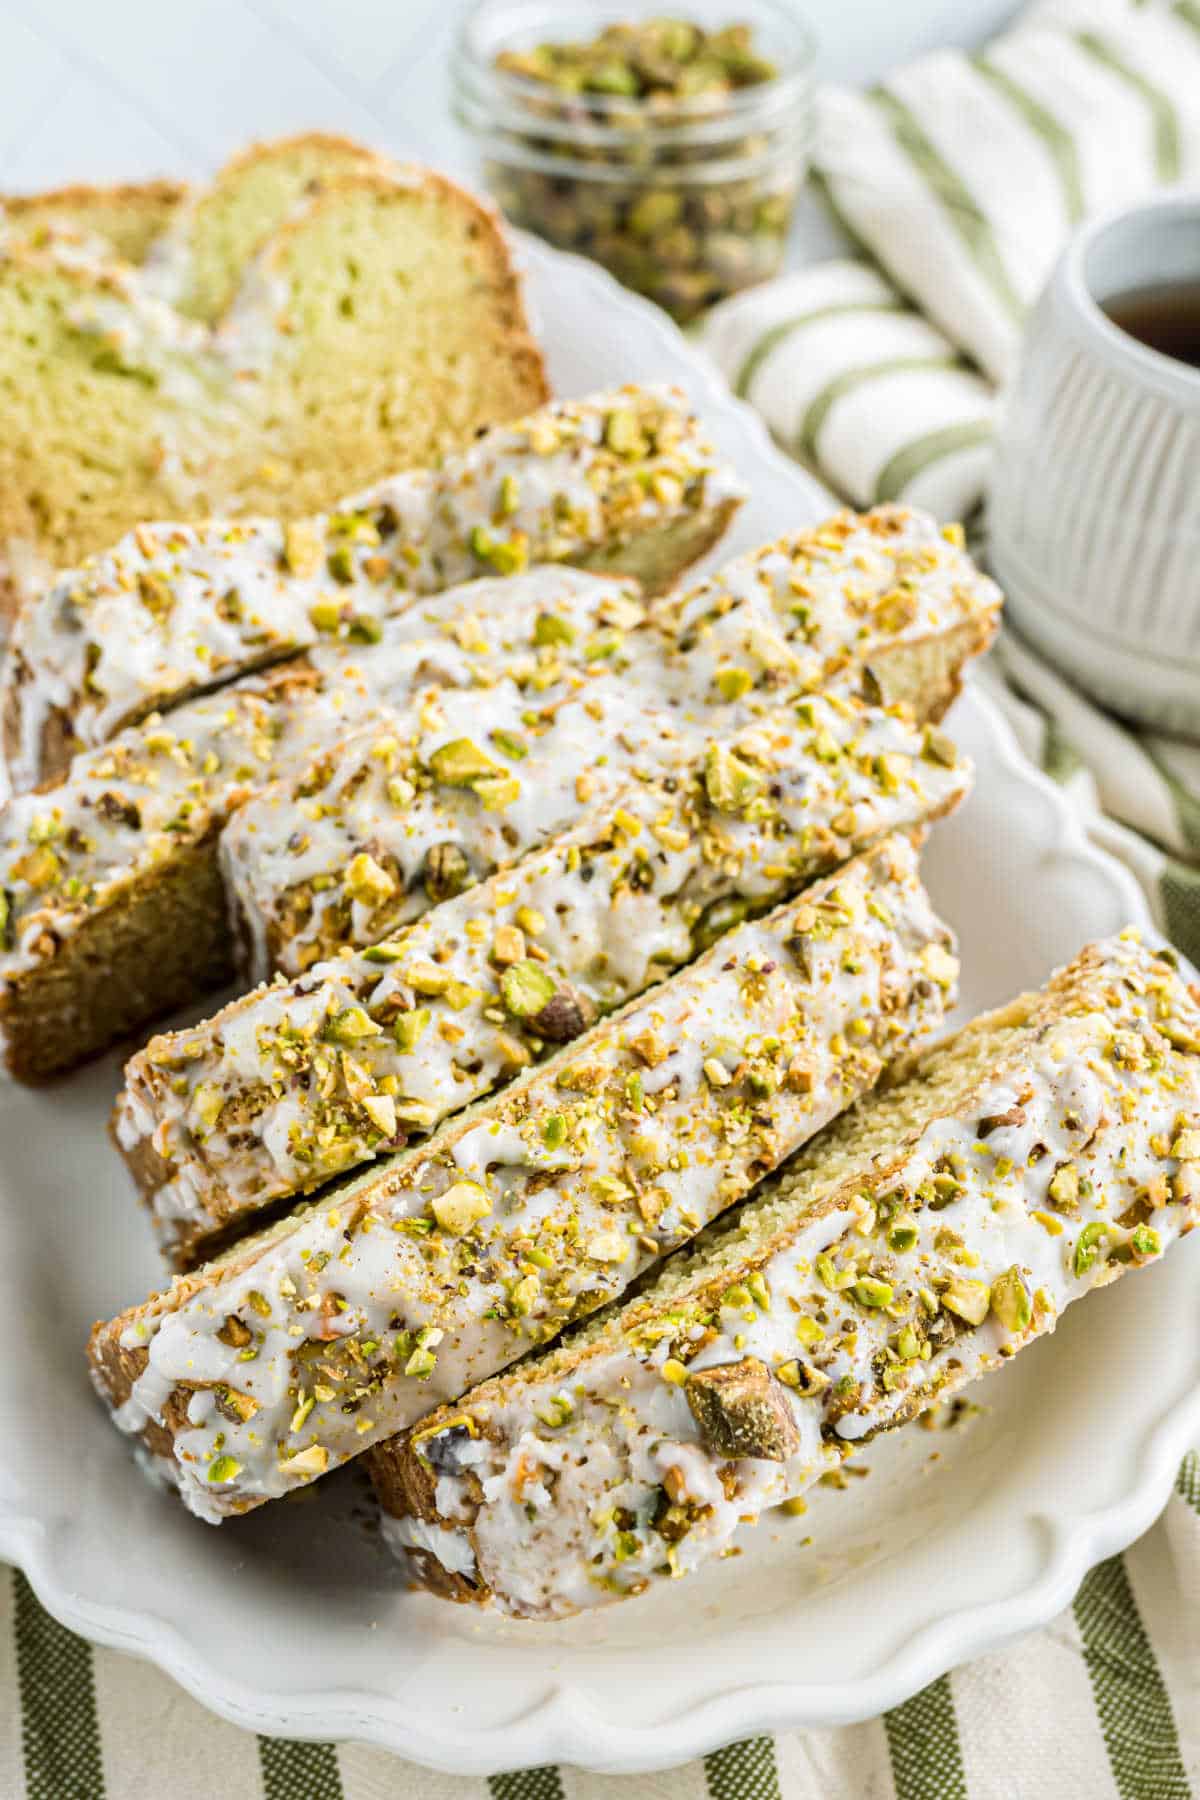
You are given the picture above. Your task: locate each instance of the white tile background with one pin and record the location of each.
(106, 90)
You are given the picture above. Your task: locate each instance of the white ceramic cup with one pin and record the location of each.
(1094, 510)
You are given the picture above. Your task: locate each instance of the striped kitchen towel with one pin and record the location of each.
(1136, 792)
(1124, 1724)
(962, 176)
(852, 381)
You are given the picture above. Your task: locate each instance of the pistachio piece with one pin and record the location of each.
(564, 1016)
(733, 682)
(940, 965)
(423, 1360)
(208, 1102)
(367, 881)
(306, 1463)
(461, 1207)
(460, 763)
(526, 989)
(154, 592)
(348, 1026)
(728, 780)
(939, 748)
(445, 871)
(742, 1410)
(1011, 1302)
(869, 1291)
(340, 563)
(408, 1028)
(381, 1110)
(623, 433)
(718, 917)
(302, 547)
(495, 792)
(969, 1300)
(1064, 1187)
(235, 1406)
(1146, 1241)
(902, 1232)
(224, 1468)
(550, 629)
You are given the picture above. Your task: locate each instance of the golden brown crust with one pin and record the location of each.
(130, 214)
(260, 150)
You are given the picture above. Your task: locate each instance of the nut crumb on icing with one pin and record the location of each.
(931, 1257)
(300, 1081)
(345, 1322)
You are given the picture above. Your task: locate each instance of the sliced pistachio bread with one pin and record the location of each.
(626, 481)
(200, 260)
(889, 588)
(375, 328)
(91, 943)
(928, 1235)
(345, 1321)
(893, 591)
(887, 598)
(298, 1082)
(115, 223)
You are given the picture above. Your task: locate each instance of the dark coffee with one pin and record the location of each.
(1166, 318)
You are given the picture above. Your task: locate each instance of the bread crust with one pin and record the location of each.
(1074, 1053)
(883, 964)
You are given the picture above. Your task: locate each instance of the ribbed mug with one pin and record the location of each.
(1094, 511)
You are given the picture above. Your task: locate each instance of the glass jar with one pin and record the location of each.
(686, 199)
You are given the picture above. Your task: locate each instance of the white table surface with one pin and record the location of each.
(109, 90)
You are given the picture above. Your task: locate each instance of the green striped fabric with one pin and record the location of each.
(960, 175)
(856, 385)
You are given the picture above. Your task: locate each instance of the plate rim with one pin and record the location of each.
(564, 1725)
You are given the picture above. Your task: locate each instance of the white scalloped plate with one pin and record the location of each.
(293, 1621)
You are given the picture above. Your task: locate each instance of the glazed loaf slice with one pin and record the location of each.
(344, 1322)
(887, 593)
(626, 481)
(299, 1082)
(113, 910)
(931, 1233)
(85, 921)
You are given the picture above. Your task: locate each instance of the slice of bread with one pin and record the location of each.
(626, 481)
(120, 222)
(376, 328)
(296, 1083)
(888, 590)
(931, 1233)
(888, 587)
(216, 237)
(344, 1322)
(93, 871)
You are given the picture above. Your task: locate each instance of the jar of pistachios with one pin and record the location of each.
(670, 149)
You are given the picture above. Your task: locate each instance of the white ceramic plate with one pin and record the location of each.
(293, 1621)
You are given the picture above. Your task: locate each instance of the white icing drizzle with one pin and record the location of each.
(1077, 1159)
(178, 608)
(788, 616)
(164, 785)
(861, 585)
(299, 1082)
(346, 1321)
